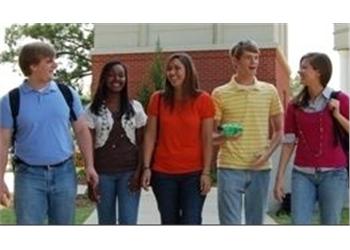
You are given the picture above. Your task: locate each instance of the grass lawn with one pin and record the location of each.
(83, 209)
(286, 220)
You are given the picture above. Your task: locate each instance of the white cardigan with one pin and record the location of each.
(103, 123)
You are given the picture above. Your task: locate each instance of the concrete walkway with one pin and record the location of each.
(148, 212)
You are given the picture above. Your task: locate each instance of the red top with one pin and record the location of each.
(179, 146)
(315, 136)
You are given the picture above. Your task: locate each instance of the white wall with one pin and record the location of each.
(112, 38)
(342, 45)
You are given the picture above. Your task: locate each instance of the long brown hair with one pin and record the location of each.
(190, 84)
(321, 63)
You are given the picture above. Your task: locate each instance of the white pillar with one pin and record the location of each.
(345, 70)
(342, 45)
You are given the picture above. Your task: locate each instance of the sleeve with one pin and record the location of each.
(207, 109)
(152, 109)
(217, 105)
(140, 115)
(6, 120)
(89, 117)
(344, 104)
(77, 106)
(290, 128)
(290, 121)
(276, 105)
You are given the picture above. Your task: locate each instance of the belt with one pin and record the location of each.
(18, 160)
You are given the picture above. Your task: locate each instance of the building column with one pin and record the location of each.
(342, 45)
(345, 70)
(143, 35)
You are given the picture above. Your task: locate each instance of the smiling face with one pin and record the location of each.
(116, 78)
(308, 75)
(315, 68)
(44, 70)
(176, 73)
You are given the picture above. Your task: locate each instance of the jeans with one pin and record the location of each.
(114, 189)
(45, 194)
(232, 184)
(178, 198)
(328, 188)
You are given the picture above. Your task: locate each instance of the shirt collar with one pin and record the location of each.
(327, 92)
(320, 99)
(255, 86)
(26, 88)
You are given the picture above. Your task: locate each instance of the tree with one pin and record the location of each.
(295, 85)
(73, 43)
(156, 77)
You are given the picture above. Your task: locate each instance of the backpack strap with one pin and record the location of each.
(14, 98)
(68, 97)
(14, 105)
(335, 94)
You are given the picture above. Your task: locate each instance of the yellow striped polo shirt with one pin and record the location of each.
(251, 106)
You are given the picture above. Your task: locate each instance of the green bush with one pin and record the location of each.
(155, 78)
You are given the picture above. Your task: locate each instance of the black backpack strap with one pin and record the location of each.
(68, 97)
(335, 94)
(14, 99)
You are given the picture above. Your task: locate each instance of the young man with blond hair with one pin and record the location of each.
(45, 178)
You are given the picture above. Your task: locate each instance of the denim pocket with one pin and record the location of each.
(340, 174)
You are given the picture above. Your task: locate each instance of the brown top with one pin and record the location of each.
(118, 153)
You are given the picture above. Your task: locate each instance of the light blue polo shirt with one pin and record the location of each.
(43, 128)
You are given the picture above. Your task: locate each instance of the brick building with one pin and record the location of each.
(208, 44)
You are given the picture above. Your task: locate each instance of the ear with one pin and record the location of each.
(33, 68)
(234, 61)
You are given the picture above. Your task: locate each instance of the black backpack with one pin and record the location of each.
(340, 135)
(14, 97)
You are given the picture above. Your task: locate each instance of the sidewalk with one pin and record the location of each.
(148, 212)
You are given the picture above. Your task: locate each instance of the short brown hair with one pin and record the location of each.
(32, 53)
(246, 45)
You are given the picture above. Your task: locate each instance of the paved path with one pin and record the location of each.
(148, 213)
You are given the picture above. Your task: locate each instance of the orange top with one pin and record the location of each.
(179, 143)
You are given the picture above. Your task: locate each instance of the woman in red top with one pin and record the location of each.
(178, 136)
(319, 172)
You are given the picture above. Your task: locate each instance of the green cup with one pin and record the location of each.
(231, 129)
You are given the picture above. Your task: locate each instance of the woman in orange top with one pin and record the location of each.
(179, 137)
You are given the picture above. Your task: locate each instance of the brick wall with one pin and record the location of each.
(214, 68)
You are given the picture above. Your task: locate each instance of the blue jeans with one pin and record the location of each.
(45, 194)
(328, 188)
(114, 189)
(178, 198)
(232, 184)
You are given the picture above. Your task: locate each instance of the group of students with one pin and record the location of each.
(171, 148)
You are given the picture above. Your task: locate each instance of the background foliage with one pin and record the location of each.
(72, 41)
(156, 77)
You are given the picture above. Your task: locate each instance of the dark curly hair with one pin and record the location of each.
(102, 91)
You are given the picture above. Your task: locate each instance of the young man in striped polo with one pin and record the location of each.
(243, 160)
